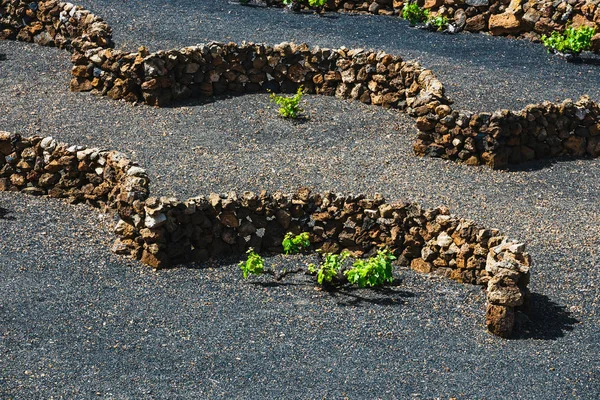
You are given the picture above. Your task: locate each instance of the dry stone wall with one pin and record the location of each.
(53, 23)
(162, 232)
(496, 139)
(503, 138)
(42, 166)
(529, 19)
(217, 68)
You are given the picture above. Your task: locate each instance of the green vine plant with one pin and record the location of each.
(296, 5)
(414, 14)
(293, 244)
(375, 271)
(330, 270)
(438, 23)
(571, 41)
(254, 264)
(335, 269)
(289, 107)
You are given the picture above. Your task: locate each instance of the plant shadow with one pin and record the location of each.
(272, 284)
(2, 57)
(4, 214)
(383, 296)
(543, 320)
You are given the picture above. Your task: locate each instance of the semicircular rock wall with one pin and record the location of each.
(162, 232)
(216, 68)
(503, 138)
(520, 18)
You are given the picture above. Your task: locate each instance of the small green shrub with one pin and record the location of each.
(440, 22)
(372, 272)
(289, 107)
(329, 268)
(295, 244)
(572, 41)
(414, 14)
(253, 265)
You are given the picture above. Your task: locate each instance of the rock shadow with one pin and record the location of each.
(587, 60)
(537, 165)
(4, 214)
(543, 320)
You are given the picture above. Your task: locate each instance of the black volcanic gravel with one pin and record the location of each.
(78, 322)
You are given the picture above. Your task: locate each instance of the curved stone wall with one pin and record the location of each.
(162, 232)
(528, 19)
(216, 68)
(103, 179)
(503, 138)
(53, 23)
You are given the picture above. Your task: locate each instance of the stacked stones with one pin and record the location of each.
(497, 139)
(508, 265)
(162, 232)
(53, 23)
(216, 68)
(538, 131)
(530, 19)
(381, 7)
(430, 241)
(44, 167)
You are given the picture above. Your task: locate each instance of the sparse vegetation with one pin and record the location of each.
(414, 14)
(329, 269)
(293, 244)
(375, 271)
(334, 269)
(571, 41)
(440, 22)
(254, 264)
(289, 107)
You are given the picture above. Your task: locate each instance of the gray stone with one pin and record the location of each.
(477, 3)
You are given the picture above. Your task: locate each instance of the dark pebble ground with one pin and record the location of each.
(79, 322)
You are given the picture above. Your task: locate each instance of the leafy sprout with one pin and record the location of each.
(414, 14)
(572, 40)
(295, 244)
(372, 272)
(329, 268)
(440, 22)
(289, 107)
(253, 265)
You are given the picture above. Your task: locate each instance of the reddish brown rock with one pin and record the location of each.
(156, 261)
(81, 85)
(500, 320)
(575, 145)
(595, 45)
(476, 23)
(421, 266)
(503, 24)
